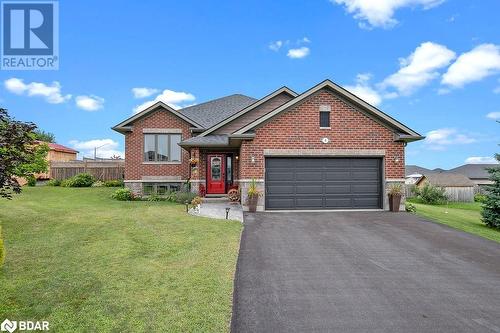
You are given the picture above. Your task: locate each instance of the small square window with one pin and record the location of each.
(161, 189)
(148, 189)
(324, 119)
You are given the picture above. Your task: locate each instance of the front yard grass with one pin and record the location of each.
(459, 215)
(85, 262)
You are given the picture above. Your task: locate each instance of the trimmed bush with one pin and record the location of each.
(31, 181)
(2, 249)
(410, 208)
(54, 182)
(80, 180)
(183, 197)
(478, 197)
(123, 194)
(431, 195)
(113, 183)
(155, 197)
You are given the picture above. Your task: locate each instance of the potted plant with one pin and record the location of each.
(196, 202)
(395, 193)
(253, 194)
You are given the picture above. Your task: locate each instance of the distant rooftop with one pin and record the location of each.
(475, 171)
(447, 179)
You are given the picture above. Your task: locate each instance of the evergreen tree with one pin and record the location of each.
(491, 207)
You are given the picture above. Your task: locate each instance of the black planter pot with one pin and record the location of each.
(394, 202)
(252, 203)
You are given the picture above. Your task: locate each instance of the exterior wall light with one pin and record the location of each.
(252, 159)
(396, 158)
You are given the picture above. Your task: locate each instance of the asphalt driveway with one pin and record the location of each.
(363, 272)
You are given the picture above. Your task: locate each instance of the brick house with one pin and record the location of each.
(323, 149)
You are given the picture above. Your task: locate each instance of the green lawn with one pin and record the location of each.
(85, 262)
(462, 216)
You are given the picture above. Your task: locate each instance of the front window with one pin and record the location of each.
(162, 148)
(324, 119)
(160, 188)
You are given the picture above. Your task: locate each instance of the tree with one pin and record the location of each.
(41, 135)
(491, 207)
(20, 155)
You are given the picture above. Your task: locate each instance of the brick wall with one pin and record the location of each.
(134, 148)
(298, 128)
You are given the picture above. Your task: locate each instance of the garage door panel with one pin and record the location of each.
(309, 203)
(280, 175)
(365, 202)
(337, 189)
(309, 188)
(337, 174)
(280, 203)
(279, 189)
(365, 188)
(337, 202)
(309, 175)
(323, 183)
(364, 174)
(337, 162)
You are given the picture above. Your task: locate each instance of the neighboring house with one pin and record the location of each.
(414, 173)
(457, 186)
(478, 173)
(57, 153)
(323, 149)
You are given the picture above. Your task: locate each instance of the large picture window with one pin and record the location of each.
(162, 148)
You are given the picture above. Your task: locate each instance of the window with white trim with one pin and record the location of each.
(162, 148)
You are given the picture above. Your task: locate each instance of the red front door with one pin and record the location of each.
(216, 174)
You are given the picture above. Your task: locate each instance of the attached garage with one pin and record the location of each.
(323, 183)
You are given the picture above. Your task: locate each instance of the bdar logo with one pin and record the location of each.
(9, 326)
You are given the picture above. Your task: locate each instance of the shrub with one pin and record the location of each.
(2, 249)
(155, 197)
(31, 180)
(183, 197)
(98, 184)
(410, 208)
(113, 183)
(491, 206)
(431, 195)
(54, 182)
(80, 180)
(123, 194)
(478, 197)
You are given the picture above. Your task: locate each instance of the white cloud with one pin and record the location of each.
(419, 68)
(480, 62)
(440, 138)
(379, 13)
(174, 99)
(298, 53)
(493, 115)
(106, 148)
(276, 45)
(51, 93)
(143, 92)
(363, 90)
(497, 90)
(481, 160)
(89, 103)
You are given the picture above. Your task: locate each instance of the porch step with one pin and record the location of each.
(215, 198)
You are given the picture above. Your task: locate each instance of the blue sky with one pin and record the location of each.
(432, 64)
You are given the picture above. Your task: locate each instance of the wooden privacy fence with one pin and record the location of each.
(101, 170)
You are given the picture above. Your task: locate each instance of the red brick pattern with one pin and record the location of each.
(298, 128)
(134, 147)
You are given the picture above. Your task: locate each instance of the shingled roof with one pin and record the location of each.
(475, 171)
(446, 179)
(212, 112)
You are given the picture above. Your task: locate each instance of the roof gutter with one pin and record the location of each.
(399, 137)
